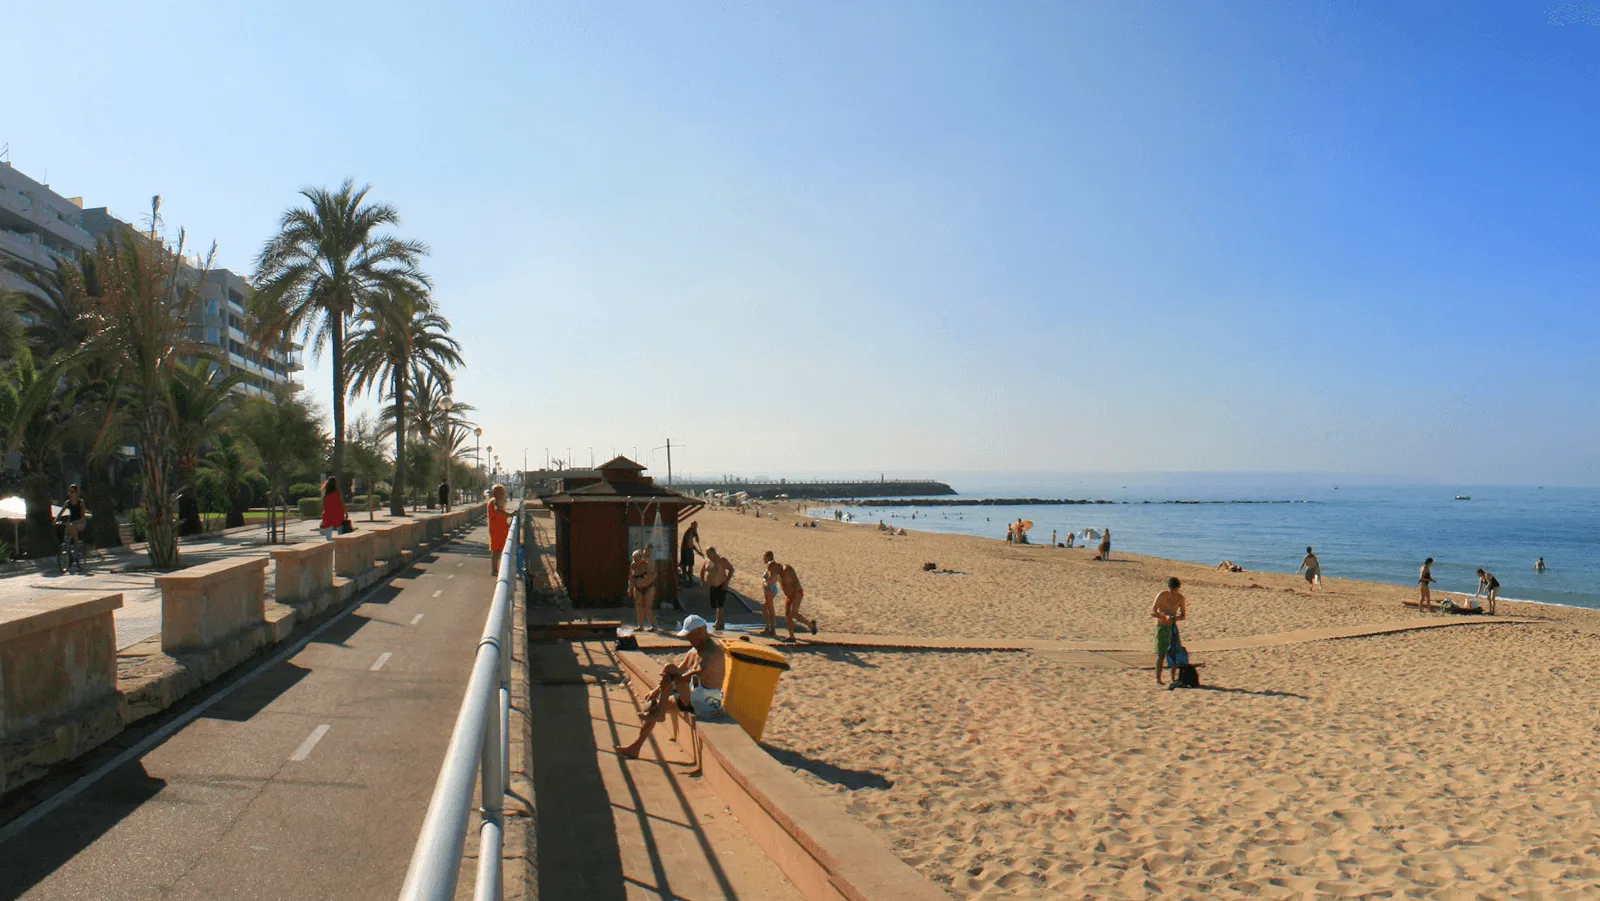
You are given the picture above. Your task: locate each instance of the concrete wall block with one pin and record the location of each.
(352, 553)
(304, 570)
(205, 606)
(56, 654)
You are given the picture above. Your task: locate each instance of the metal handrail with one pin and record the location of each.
(479, 743)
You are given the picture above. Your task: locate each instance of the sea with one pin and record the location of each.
(1375, 532)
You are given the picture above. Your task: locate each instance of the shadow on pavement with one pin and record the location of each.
(574, 834)
(843, 777)
(251, 697)
(28, 858)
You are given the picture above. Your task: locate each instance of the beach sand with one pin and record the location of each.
(1450, 763)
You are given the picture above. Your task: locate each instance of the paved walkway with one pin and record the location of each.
(128, 571)
(918, 642)
(308, 781)
(610, 830)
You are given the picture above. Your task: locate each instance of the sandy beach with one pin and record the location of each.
(1449, 763)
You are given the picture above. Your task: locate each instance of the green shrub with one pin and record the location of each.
(139, 520)
(310, 507)
(300, 490)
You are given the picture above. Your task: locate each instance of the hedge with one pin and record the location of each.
(310, 508)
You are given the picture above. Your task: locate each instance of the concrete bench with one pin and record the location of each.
(304, 571)
(205, 605)
(56, 654)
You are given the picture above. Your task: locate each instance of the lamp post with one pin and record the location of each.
(444, 452)
(488, 456)
(477, 449)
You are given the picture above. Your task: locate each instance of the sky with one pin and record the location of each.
(930, 237)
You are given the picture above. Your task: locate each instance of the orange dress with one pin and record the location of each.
(499, 526)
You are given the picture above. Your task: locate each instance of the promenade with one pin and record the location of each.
(306, 779)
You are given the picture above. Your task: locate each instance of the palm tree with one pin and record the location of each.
(138, 332)
(233, 464)
(328, 261)
(367, 458)
(200, 392)
(401, 341)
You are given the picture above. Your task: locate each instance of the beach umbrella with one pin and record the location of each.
(15, 508)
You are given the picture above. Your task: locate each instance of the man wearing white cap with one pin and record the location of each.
(704, 665)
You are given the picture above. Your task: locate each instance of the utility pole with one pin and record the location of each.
(668, 448)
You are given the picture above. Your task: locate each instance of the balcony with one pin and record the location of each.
(26, 249)
(17, 203)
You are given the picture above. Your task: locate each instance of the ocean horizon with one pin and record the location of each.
(1367, 531)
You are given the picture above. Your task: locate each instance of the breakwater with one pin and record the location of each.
(908, 491)
(1036, 502)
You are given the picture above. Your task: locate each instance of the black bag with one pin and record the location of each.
(345, 528)
(1184, 674)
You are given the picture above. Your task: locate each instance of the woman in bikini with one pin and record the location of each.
(1425, 579)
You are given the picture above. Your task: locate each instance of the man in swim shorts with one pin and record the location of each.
(716, 573)
(1170, 607)
(784, 575)
(705, 664)
(1424, 580)
(687, 549)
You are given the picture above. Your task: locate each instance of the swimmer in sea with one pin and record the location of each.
(1538, 565)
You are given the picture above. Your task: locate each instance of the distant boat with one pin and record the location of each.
(1463, 497)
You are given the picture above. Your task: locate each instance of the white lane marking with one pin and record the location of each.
(439, 592)
(462, 563)
(304, 751)
(449, 577)
(382, 659)
(416, 619)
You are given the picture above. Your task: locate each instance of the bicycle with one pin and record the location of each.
(71, 554)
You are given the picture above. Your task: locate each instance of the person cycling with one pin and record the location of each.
(74, 514)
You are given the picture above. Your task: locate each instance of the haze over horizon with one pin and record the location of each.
(913, 238)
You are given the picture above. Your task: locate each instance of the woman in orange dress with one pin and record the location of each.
(499, 526)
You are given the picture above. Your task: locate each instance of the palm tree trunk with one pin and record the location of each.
(336, 327)
(397, 497)
(163, 544)
(100, 496)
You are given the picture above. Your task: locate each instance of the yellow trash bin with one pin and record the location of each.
(750, 683)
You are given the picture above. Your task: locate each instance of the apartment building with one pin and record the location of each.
(38, 227)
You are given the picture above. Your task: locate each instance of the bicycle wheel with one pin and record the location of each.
(61, 558)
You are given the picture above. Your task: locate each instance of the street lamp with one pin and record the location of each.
(444, 452)
(488, 455)
(477, 455)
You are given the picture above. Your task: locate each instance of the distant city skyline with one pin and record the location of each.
(913, 238)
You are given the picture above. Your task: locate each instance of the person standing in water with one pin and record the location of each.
(1538, 565)
(1312, 569)
(1105, 546)
(1425, 579)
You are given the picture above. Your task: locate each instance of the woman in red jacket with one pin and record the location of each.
(332, 509)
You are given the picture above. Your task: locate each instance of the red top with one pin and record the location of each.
(499, 526)
(332, 510)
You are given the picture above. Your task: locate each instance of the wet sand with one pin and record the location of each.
(1451, 763)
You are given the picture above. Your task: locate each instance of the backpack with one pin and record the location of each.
(1184, 674)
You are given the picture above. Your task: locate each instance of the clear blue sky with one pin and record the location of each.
(1347, 236)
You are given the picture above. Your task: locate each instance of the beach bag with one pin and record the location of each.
(345, 528)
(705, 702)
(1184, 674)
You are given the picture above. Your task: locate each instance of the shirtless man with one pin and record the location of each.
(1105, 546)
(716, 572)
(706, 663)
(1312, 568)
(1170, 607)
(687, 549)
(642, 588)
(1424, 580)
(1487, 582)
(793, 594)
(1538, 565)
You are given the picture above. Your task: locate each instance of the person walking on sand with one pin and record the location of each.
(1424, 580)
(642, 588)
(1170, 607)
(333, 514)
(793, 594)
(769, 595)
(1487, 582)
(1312, 568)
(687, 549)
(1105, 546)
(717, 572)
(499, 526)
